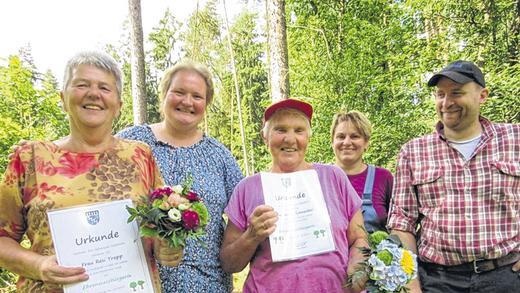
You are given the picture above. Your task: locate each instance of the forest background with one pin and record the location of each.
(373, 56)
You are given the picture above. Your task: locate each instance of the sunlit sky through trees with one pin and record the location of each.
(56, 29)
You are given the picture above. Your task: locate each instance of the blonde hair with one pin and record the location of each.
(357, 119)
(187, 65)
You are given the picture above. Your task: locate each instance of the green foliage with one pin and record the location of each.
(29, 110)
(121, 52)
(7, 281)
(252, 82)
(376, 56)
(503, 103)
(350, 57)
(164, 37)
(372, 56)
(202, 212)
(29, 107)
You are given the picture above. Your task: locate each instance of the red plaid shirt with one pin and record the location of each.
(466, 209)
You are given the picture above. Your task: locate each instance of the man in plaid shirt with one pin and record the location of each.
(456, 197)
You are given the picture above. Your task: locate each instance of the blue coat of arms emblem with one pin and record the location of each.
(92, 217)
(286, 182)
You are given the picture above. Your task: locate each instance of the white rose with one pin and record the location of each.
(177, 189)
(183, 207)
(174, 215)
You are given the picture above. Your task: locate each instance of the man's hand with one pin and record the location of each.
(516, 268)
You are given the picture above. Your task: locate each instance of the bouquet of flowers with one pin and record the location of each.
(172, 213)
(388, 267)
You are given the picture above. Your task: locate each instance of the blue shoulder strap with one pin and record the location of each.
(369, 182)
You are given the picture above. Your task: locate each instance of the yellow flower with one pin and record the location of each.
(407, 262)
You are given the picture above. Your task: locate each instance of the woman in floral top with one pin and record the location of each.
(90, 165)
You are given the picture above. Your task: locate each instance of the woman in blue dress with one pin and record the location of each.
(181, 149)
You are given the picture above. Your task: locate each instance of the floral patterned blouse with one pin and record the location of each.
(42, 177)
(215, 173)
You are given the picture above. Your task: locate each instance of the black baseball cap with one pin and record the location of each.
(460, 72)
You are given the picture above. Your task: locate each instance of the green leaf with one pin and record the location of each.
(148, 232)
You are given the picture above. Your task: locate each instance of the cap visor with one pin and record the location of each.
(455, 76)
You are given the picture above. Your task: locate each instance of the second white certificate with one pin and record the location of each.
(303, 226)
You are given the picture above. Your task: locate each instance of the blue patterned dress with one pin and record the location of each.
(215, 173)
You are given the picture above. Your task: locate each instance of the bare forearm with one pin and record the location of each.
(236, 255)
(355, 254)
(356, 239)
(19, 260)
(408, 240)
(355, 258)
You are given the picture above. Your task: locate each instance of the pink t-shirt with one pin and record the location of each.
(318, 273)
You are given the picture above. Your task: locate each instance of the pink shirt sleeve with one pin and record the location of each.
(352, 201)
(246, 196)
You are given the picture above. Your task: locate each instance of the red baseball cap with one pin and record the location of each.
(301, 106)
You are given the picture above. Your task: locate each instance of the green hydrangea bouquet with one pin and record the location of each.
(388, 267)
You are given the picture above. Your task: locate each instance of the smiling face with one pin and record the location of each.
(185, 101)
(287, 136)
(91, 99)
(348, 144)
(458, 105)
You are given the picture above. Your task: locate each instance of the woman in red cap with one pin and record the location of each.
(309, 204)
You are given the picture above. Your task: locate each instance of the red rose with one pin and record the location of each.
(192, 196)
(190, 220)
(161, 192)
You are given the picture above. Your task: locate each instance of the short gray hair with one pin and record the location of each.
(289, 112)
(98, 59)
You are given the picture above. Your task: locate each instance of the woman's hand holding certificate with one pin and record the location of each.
(51, 272)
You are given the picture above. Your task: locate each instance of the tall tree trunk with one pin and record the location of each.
(237, 92)
(277, 50)
(138, 70)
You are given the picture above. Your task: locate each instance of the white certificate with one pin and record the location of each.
(98, 238)
(303, 226)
